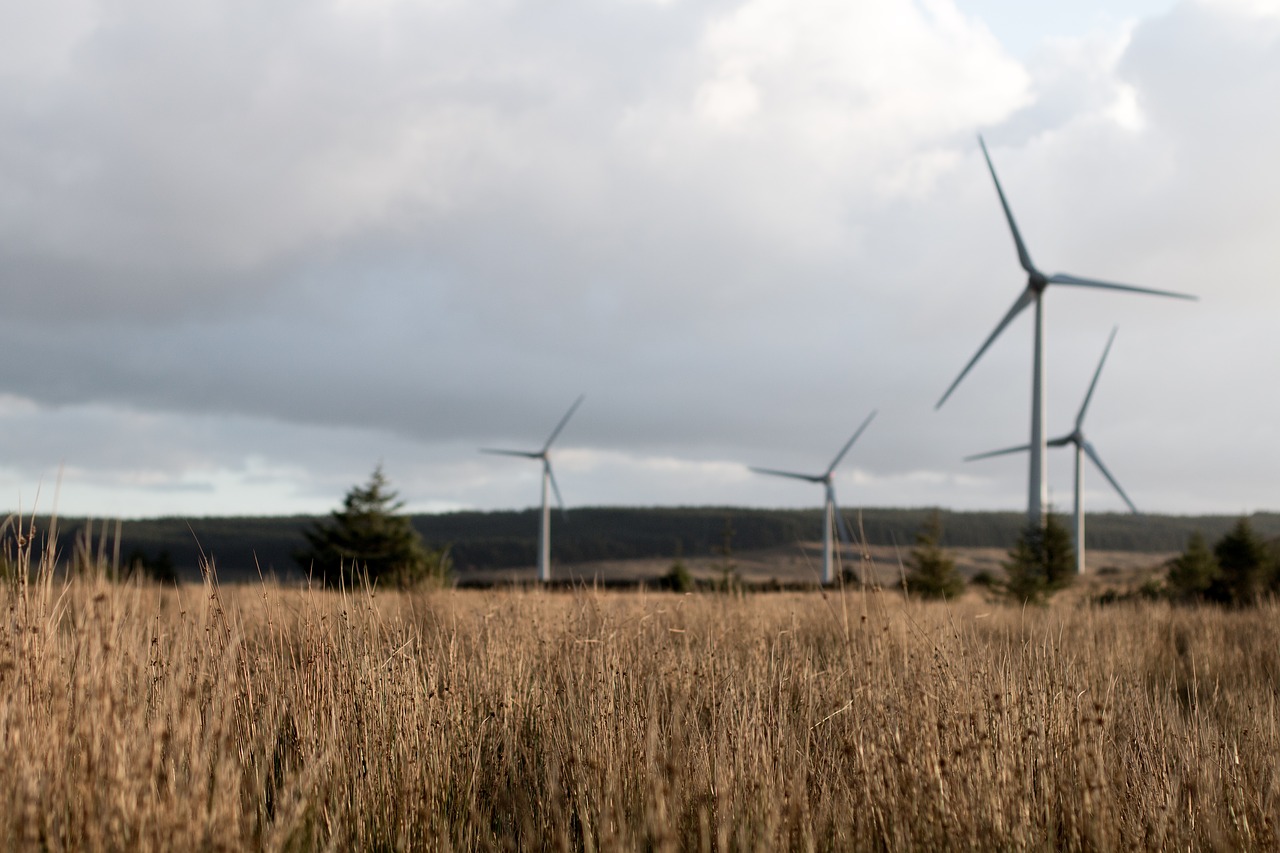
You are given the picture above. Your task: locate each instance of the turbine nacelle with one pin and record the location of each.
(1076, 438)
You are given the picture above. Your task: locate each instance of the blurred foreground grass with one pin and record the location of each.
(136, 717)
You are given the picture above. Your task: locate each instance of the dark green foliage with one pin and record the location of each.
(677, 578)
(368, 539)
(1273, 566)
(985, 578)
(508, 539)
(1242, 566)
(158, 568)
(1150, 589)
(1041, 562)
(933, 571)
(1192, 573)
(245, 547)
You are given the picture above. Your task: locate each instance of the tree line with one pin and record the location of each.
(244, 548)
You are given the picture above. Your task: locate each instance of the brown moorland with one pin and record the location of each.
(800, 564)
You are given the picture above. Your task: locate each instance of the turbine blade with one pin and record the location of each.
(1022, 448)
(524, 453)
(1084, 407)
(1077, 281)
(1093, 454)
(1028, 296)
(1023, 257)
(849, 444)
(555, 432)
(811, 478)
(551, 475)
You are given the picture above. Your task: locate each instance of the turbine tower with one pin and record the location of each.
(1033, 294)
(548, 478)
(831, 512)
(1083, 448)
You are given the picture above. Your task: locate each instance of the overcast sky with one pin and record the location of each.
(248, 251)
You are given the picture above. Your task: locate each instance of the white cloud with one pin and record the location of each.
(827, 73)
(1243, 8)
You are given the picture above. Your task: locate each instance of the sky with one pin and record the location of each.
(248, 252)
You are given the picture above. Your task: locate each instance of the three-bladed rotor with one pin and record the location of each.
(832, 509)
(1037, 281)
(548, 479)
(1033, 295)
(543, 454)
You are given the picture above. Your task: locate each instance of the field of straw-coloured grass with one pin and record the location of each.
(136, 717)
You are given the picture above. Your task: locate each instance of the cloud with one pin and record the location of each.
(312, 234)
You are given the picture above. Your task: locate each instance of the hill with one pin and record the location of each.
(242, 548)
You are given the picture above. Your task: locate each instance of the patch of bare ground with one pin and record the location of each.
(801, 564)
(266, 718)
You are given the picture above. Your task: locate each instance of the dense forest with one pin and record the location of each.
(243, 548)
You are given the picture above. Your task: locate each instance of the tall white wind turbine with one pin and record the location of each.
(1033, 294)
(1083, 448)
(548, 479)
(831, 514)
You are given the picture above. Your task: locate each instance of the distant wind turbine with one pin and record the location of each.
(548, 478)
(831, 512)
(1083, 448)
(1033, 294)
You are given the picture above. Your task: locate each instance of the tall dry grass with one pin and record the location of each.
(135, 717)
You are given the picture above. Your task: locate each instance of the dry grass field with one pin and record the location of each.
(199, 718)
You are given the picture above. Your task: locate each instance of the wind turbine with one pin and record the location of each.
(1033, 294)
(831, 512)
(1083, 448)
(544, 531)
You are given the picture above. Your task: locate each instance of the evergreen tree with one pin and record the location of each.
(159, 568)
(933, 571)
(1193, 572)
(1242, 563)
(1041, 562)
(678, 578)
(367, 538)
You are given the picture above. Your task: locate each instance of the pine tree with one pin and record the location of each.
(933, 571)
(1192, 573)
(678, 578)
(1041, 562)
(368, 539)
(1242, 562)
